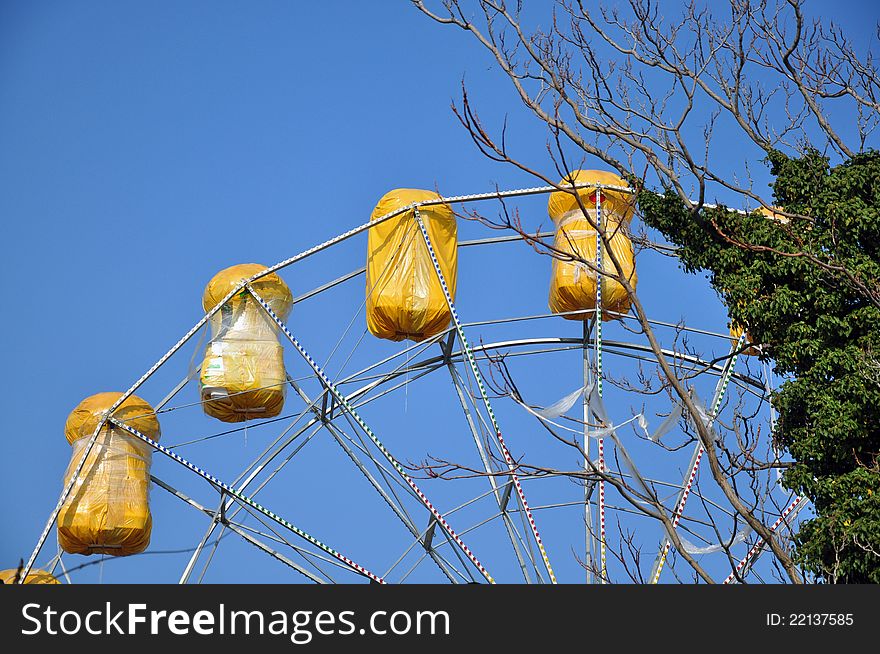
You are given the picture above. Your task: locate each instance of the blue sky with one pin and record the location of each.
(143, 147)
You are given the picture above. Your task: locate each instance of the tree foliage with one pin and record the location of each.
(806, 287)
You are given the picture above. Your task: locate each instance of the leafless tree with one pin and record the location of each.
(645, 93)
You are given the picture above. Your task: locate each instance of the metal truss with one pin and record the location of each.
(335, 411)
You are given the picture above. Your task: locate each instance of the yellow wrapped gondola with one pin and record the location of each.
(573, 284)
(242, 375)
(404, 296)
(11, 576)
(773, 215)
(108, 510)
(735, 332)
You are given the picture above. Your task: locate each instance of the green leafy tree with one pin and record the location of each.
(806, 288)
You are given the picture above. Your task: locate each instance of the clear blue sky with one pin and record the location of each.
(145, 146)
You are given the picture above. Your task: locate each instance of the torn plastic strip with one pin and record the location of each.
(598, 408)
(629, 464)
(701, 409)
(599, 411)
(564, 405)
(668, 423)
(707, 419)
(601, 432)
(544, 419)
(738, 538)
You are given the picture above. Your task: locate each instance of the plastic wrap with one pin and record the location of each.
(619, 203)
(738, 537)
(242, 375)
(404, 296)
(735, 332)
(108, 510)
(773, 215)
(670, 422)
(563, 405)
(573, 284)
(34, 577)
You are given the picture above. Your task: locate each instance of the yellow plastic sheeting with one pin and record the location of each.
(773, 215)
(404, 296)
(242, 375)
(34, 577)
(269, 287)
(572, 283)
(108, 510)
(619, 203)
(84, 419)
(735, 332)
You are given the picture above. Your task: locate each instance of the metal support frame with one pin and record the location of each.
(610, 347)
(398, 509)
(696, 457)
(589, 536)
(501, 499)
(244, 499)
(600, 443)
(235, 528)
(254, 469)
(369, 432)
(330, 398)
(478, 378)
(749, 559)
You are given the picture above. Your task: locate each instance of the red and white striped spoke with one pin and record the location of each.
(372, 436)
(757, 547)
(679, 509)
(485, 397)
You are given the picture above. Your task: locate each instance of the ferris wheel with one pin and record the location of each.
(447, 428)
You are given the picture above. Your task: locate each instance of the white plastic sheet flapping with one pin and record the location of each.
(668, 424)
(597, 406)
(562, 406)
(701, 410)
(692, 549)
